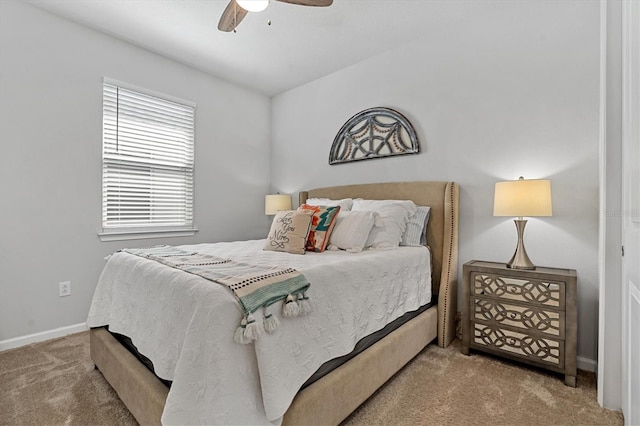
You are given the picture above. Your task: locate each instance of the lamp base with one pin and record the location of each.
(520, 260)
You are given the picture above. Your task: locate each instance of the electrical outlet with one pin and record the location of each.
(64, 288)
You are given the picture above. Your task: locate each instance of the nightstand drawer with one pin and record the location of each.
(533, 291)
(530, 348)
(527, 317)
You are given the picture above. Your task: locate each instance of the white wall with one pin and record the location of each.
(50, 167)
(512, 92)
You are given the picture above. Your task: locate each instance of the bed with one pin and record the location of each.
(331, 398)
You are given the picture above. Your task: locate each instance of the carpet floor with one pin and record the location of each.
(54, 383)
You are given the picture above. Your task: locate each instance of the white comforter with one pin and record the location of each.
(185, 324)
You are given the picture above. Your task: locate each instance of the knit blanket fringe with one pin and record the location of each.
(255, 287)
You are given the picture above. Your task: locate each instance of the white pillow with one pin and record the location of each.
(394, 215)
(345, 203)
(351, 230)
(414, 235)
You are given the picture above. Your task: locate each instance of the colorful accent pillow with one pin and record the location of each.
(324, 218)
(289, 231)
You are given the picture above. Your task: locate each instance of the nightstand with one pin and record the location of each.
(524, 315)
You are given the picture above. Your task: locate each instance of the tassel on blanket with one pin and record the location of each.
(304, 303)
(251, 331)
(270, 322)
(238, 336)
(290, 308)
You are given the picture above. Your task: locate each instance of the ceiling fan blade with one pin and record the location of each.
(231, 17)
(318, 3)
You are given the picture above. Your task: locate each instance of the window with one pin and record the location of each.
(147, 164)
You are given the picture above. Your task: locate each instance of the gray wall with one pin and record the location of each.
(512, 92)
(50, 168)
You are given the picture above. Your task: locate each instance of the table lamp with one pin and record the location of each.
(276, 202)
(522, 198)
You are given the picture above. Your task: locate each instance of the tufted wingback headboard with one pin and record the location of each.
(442, 233)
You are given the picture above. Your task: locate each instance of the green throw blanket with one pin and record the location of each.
(254, 286)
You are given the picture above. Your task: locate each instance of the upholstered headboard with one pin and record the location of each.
(442, 233)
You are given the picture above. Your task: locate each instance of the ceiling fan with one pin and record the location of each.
(236, 10)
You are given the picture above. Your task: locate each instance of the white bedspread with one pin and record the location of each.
(185, 324)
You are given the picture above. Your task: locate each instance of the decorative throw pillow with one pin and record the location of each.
(345, 204)
(352, 230)
(322, 223)
(289, 231)
(414, 235)
(394, 215)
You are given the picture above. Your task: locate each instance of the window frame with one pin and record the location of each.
(116, 233)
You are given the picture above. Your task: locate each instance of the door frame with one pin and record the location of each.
(619, 23)
(630, 198)
(609, 377)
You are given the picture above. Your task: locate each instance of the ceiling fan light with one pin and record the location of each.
(253, 5)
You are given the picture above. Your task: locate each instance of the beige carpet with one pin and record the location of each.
(54, 383)
(444, 387)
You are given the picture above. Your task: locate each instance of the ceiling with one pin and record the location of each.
(301, 44)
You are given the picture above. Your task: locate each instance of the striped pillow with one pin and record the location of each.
(414, 235)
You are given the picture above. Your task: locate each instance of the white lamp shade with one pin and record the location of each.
(276, 202)
(253, 5)
(523, 198)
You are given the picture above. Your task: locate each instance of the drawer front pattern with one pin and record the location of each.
(547, 293)
(527, 347)
(522, 317)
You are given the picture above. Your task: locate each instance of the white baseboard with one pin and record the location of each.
(587, 364)
(16, 342)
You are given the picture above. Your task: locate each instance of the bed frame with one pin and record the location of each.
(332, 398)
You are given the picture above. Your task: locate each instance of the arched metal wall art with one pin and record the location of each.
(374, 133)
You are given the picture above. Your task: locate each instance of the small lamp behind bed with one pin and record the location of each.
(522, 198)
(276, 202)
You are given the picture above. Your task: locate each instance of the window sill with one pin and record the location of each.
(122, 234)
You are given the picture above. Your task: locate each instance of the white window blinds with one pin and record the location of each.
(147, 160)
